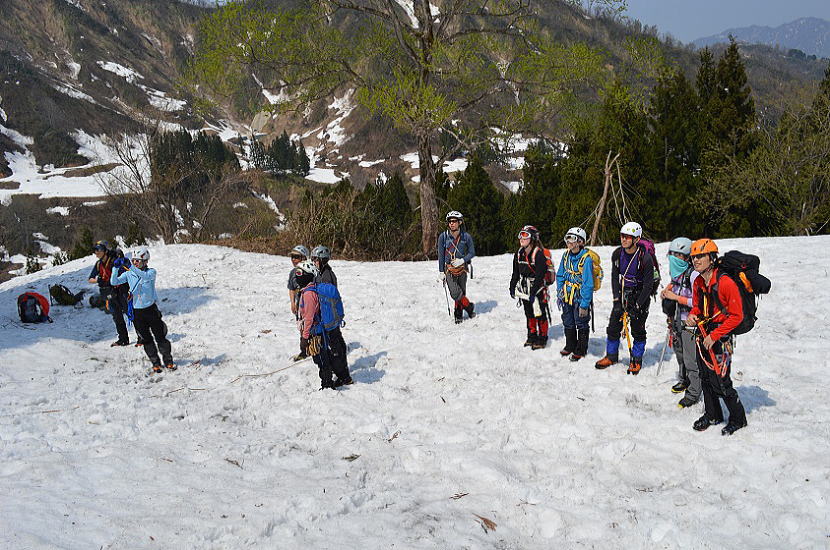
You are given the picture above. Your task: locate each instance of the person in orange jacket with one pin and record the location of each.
(717, 309)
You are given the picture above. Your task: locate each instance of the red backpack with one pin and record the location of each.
(33, 308)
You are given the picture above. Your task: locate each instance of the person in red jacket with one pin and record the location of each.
(717, 309)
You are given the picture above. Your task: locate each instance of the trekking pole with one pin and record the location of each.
(447, 296)
(663, 353)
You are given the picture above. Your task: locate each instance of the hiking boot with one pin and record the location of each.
(634, 366)
(300, 356)
(119, 343)
(459, 315)
(157, 369)
(540, 343)
(606, 362)
(345, 382)
(731, 428)
(171, 366)
(704, 422)
(470, 309)
(531, 338)
(680, 387)
(575, 357)
(686, 402)
(570, 342)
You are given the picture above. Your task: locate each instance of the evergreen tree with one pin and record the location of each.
(302, 164)
(83, 244)
(392, 202)
(536, 202)
(675, 140)
(477, 198)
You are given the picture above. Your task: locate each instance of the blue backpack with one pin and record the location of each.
(331, 308)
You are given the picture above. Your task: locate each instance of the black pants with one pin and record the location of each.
(715, 386)
(116, 303)
(332, 359)
(637, 323)
(153, 331)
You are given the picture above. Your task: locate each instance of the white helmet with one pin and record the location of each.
(300, 250)
(577, 232)
(141, 253)
(309, 267)
(681, 245)
(454, 214)
(632, 228)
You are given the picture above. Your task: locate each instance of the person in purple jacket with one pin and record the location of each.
(632, 278)
(677, 303)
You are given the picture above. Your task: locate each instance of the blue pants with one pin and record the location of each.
(571, 318)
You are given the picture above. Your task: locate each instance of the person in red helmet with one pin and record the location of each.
(528, 283)
(717, 309)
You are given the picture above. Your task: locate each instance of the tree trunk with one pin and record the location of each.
(429, 209)
(601, 208)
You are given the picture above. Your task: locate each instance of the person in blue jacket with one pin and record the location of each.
(455, 252)
(575, 289)
(146, 315)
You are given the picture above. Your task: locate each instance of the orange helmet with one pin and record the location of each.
(704, 246)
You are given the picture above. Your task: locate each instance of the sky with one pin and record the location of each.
(691, 19)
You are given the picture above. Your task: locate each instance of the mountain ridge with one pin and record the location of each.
(811, 35)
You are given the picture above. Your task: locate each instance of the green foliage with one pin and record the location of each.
(376, 223)
(281, 156)
(59, 258)
(84, 242)
(475, 196)
(135, 236)
(32, 264)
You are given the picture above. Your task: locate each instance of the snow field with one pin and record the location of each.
(444, 424)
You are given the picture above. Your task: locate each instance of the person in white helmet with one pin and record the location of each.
(455, 253)
(575, 289)
(325, 346)
(146, 315)
(632, 278)
(677, 303)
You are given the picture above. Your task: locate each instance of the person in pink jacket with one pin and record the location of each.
(317, 345)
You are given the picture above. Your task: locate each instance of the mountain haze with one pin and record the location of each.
(811, 35)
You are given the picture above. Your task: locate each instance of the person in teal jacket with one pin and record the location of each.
(146, 315)
(575, 289)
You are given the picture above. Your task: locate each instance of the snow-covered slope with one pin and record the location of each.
(446, 424)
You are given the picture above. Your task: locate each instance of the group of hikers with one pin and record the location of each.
(709, 300)
(704, 309)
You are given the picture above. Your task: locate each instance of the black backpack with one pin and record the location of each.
(743, 269)
(63, 296)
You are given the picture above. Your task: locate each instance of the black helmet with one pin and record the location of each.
(101, 245)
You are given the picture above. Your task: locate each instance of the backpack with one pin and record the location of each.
(648, 246)
(331, 308)
(597, 268)
(743, 270)
(597, 274)
(33, 308)
(550, 272)
(63, 296)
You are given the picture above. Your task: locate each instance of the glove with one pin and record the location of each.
(304, 345)
(120, 262)
(513, 293)
(531, 299)
(458, 262)
(584, 311)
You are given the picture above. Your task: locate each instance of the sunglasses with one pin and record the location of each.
(624, 236)
(571, 238)
(524, 234)
(699, 256)
(297, 257)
